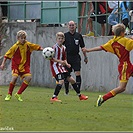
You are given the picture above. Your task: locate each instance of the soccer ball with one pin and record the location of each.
(48, 53)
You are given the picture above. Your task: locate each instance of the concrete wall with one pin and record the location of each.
(100, 74)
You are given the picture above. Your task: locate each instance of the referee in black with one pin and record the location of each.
(73, 42)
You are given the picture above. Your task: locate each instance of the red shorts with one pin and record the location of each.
(16, 72)
(125, 70)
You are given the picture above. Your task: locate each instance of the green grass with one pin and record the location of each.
(36, 113)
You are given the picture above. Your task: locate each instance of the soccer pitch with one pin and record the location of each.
(37, 113)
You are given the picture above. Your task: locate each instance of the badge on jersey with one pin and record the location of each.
(76, 41)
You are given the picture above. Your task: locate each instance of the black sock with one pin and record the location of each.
(66, 83)
(57, 89)
(78, 81)
(76, 88)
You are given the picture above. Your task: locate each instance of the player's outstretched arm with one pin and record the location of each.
(92, 49)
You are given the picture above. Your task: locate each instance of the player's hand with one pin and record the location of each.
(63, 63)
(41, 49)
(86, 60)
(2, 67)
(84, 49)
(68, 65)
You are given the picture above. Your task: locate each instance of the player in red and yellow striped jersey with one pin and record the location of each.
(121, 47)
(20, 54)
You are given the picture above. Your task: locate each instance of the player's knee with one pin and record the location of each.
(61, 82)
(72, 80)
(14, 79)
(28, 78)
(77, 73)
(122, 89)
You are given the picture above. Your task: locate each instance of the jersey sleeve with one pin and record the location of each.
(82, 44)
(108, 47)
(9, 54)
(129, 44)
(33, 46)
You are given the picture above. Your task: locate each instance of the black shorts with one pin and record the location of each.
(100, 19)
(75, 63)
(62, 76)
(125, 22)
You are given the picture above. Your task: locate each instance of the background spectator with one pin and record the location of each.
(131, 16)
(4, 9)
(96, 8)
(113, 17)
(124, 7)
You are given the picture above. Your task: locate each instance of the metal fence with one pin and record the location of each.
(59, 12)
(53, 12)
(24, 10)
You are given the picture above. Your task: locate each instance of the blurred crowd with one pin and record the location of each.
(104, 12)
(111, 13)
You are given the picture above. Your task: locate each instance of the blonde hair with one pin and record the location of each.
(60, 34)
(118, 28)
(21, 33)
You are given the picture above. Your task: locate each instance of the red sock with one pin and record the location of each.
(23, 87)
(11, 87)
(109, 95)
